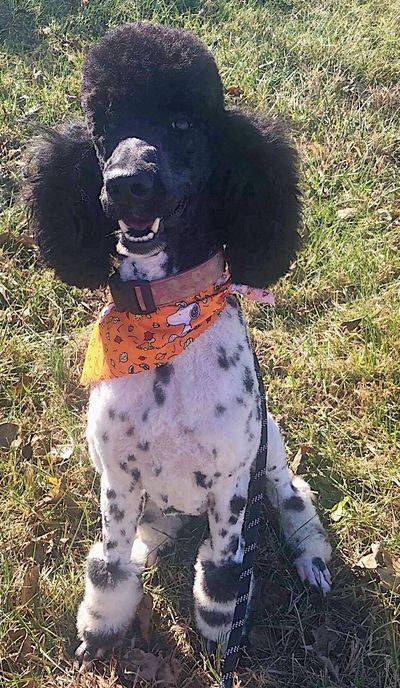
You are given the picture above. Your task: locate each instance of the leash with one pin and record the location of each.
(250, 530)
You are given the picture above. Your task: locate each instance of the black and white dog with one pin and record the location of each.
(162, 177)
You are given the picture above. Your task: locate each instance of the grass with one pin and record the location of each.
(331, 70)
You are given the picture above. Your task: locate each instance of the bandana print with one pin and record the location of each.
(126, 344)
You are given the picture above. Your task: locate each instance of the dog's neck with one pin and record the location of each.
(190, 244)
(150, 267)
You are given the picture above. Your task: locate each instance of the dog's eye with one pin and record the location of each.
(182, 124)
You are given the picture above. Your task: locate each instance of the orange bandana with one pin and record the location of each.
(125, 343)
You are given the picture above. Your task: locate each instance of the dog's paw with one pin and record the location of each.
(95, 646)
(313, 570)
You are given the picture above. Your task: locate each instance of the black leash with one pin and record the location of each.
(250, 529)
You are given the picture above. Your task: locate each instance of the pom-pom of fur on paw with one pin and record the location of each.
(95, 646)
(112, 592)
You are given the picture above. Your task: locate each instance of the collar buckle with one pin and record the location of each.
(134, 296)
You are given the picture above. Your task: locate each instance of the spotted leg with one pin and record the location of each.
(113, 585)
(300, 523)
(218, 564)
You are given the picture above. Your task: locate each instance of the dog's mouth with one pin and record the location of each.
(141, 231)
(145, 230)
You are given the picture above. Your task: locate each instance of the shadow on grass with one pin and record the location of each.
(22, 24)
(297, 638)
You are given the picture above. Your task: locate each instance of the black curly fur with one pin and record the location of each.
(158, 67)
(247, 198)
(61, 188)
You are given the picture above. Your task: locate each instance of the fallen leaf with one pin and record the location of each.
(234, 91)
(389, 579)
(53, 480)
(27, 451)
(384, 215)
(370, 561)
(62, 451)
(8, 433)
(338, 511)
(351, 325)
(144, 614)
(326, 640)
(34, 550)
(140, 664)
(58, 490)
(15, 444)
(346, 213)
(303, 450)
(30, 585)
(169, 672)
(387, 568)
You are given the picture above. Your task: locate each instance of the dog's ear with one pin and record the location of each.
(256, 197)
(62, 182)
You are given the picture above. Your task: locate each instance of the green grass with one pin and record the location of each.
(331, 70)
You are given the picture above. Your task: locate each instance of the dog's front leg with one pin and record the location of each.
(300, 523)
(113, 585)
(219, 560)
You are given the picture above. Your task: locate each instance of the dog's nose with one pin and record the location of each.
(138, 186)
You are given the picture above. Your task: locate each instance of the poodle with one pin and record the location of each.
(160, 180)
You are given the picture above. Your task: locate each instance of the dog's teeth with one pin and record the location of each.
(123, 226)
(146, 237)
(155, 226)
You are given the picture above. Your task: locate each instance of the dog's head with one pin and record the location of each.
(163, 165)
(151, 96)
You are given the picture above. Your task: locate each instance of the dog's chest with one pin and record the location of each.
(185, 425)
